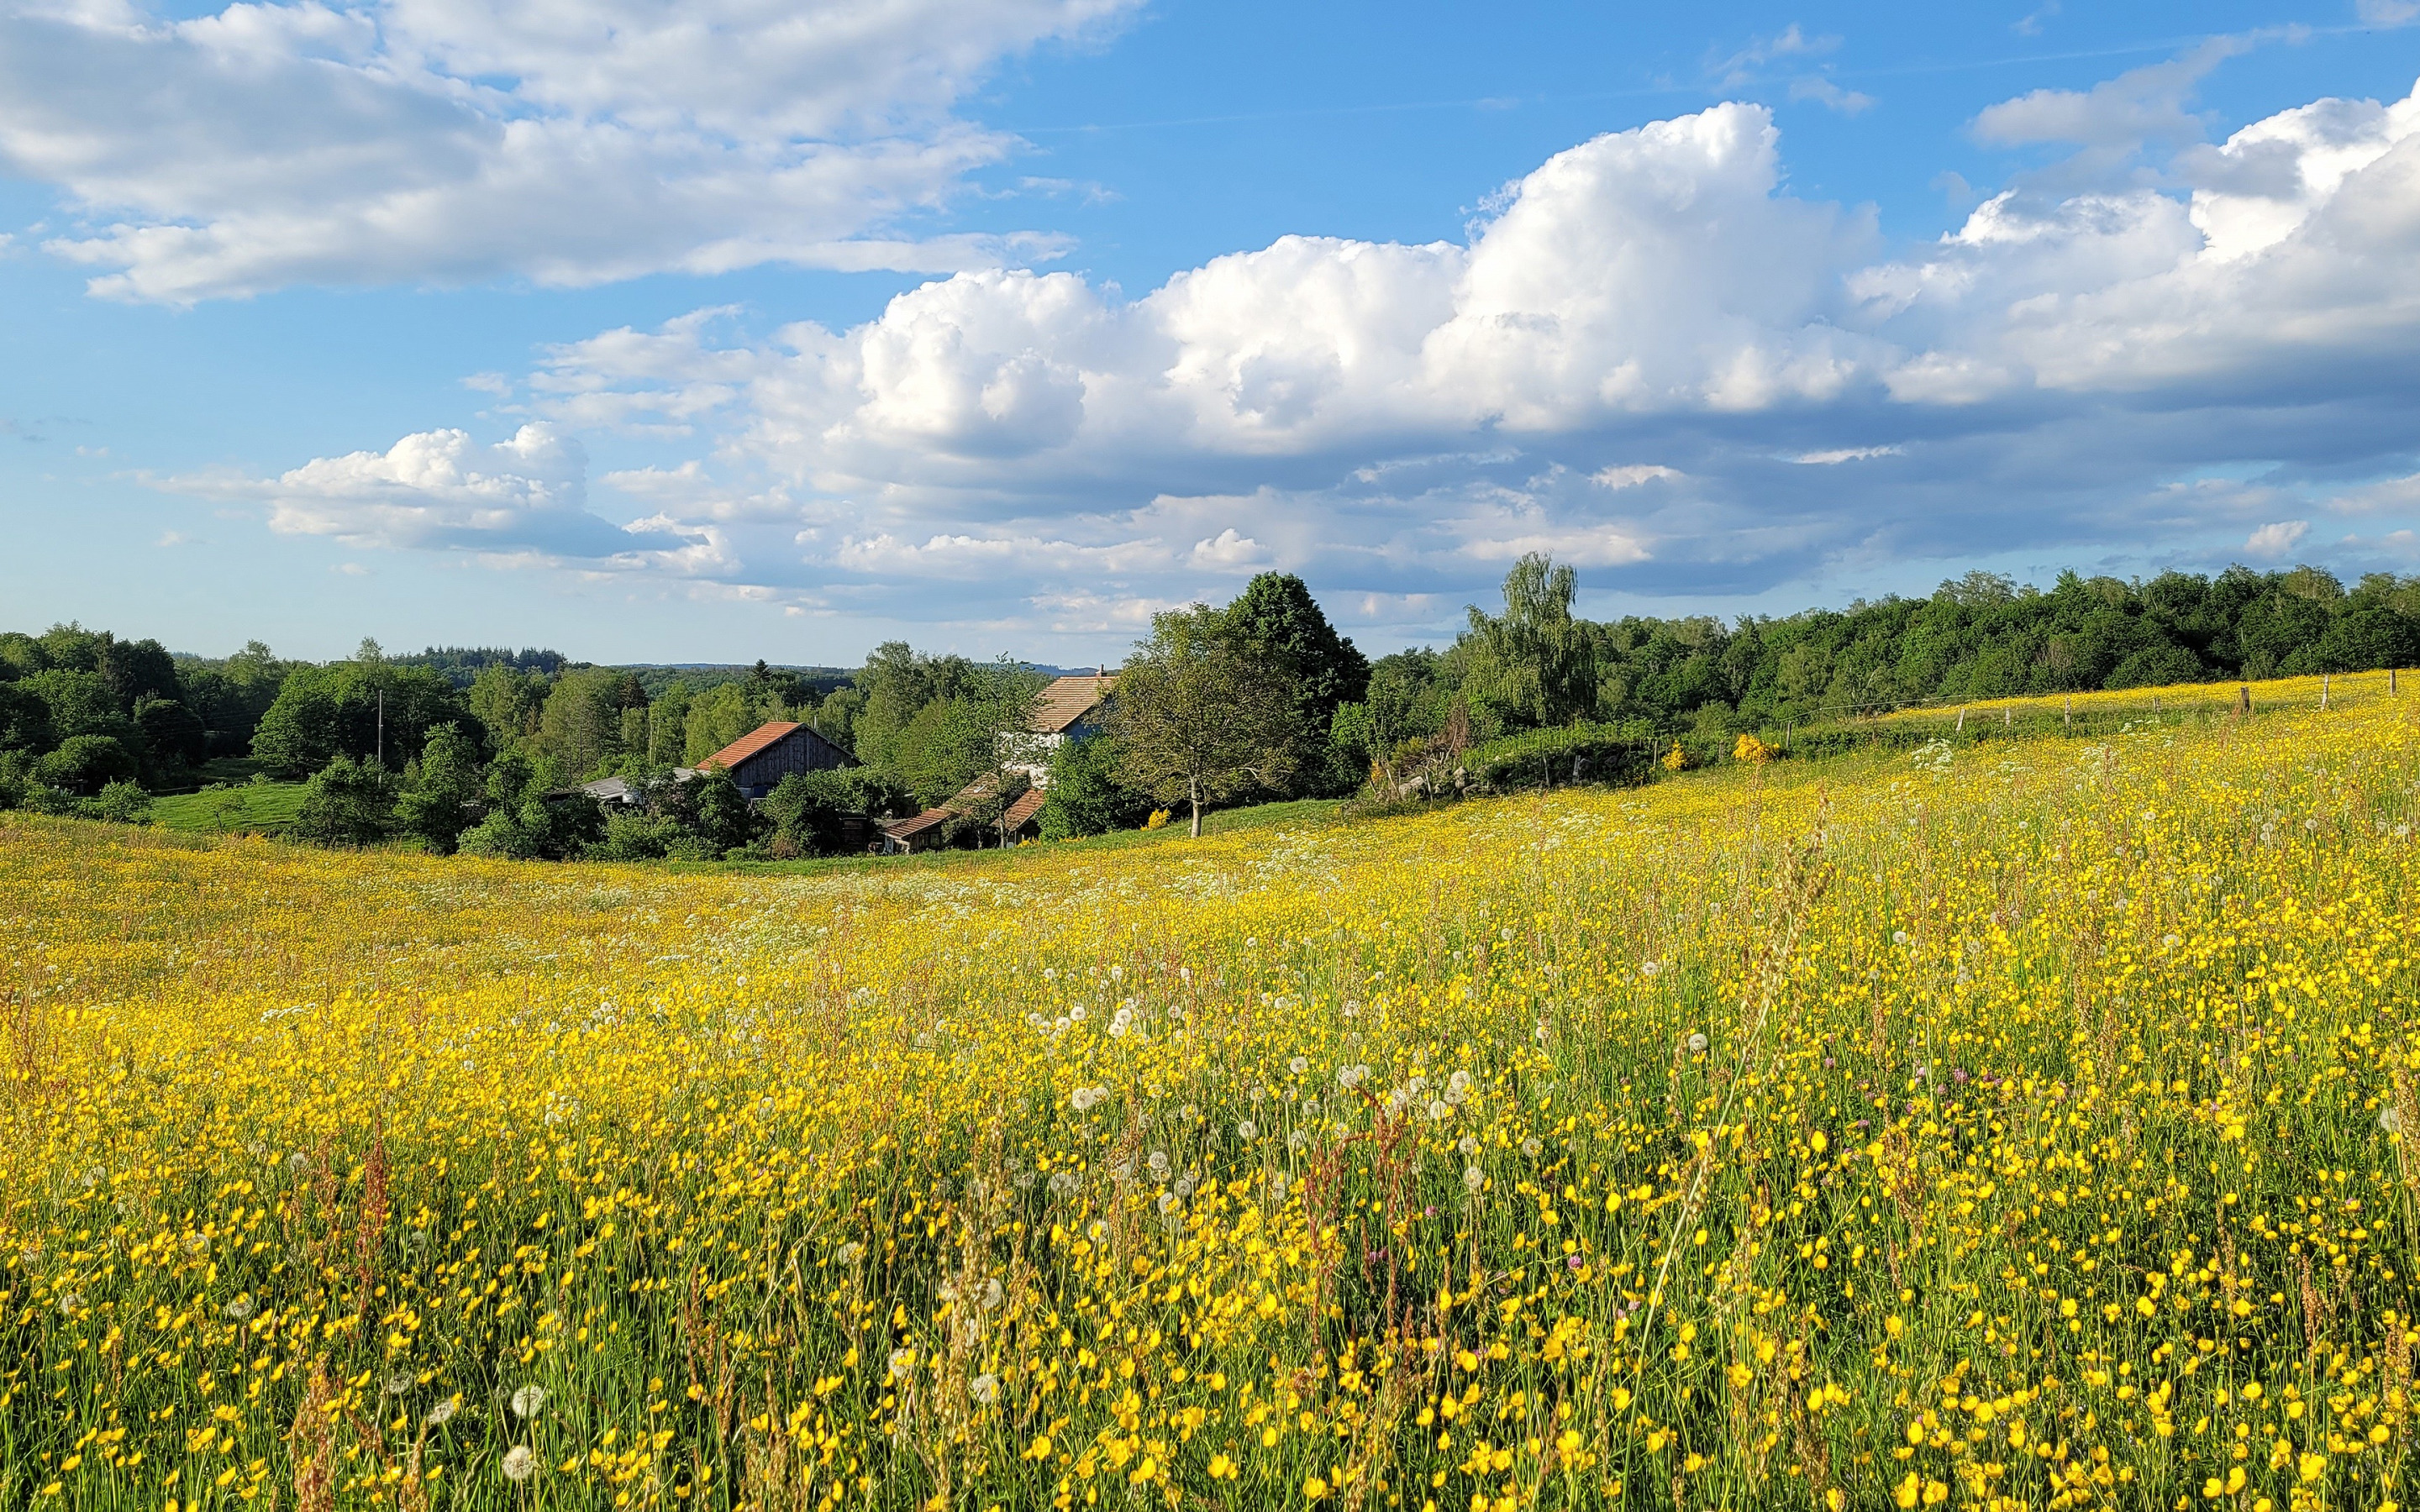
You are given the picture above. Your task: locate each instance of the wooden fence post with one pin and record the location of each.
(1962, 719)
(2323, 691)
(2070, 711)
(2244, 698)
(2007, 716)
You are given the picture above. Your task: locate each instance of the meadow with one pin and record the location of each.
(2009, 1123)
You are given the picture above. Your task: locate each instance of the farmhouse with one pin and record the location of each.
(1072, 708)
(1069, 709)
(758, 760)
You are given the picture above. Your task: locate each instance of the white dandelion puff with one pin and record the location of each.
(442, 1413)
(240, 1308)
(519, 1464)
(1697, 1044)
(528, 1400)
(399, 1383)
(848, 1252)
(985, 1388)
(1473, 1178)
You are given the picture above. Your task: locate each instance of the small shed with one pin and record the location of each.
(758, 760)
(927, 831)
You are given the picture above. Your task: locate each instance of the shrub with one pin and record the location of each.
(87, 764)
(1085, 795)
(347, 803)
(122, 803)
(1570, 753)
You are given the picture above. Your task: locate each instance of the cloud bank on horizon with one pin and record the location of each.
(1648, 356)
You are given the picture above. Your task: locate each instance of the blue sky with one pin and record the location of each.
(732, 330)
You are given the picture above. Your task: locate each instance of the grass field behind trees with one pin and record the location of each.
(2016, 1120)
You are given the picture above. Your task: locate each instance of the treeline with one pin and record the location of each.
(1535, 665)
(476, 748)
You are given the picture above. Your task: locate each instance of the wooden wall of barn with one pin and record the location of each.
(800, 750)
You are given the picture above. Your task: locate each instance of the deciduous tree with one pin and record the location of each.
(1196, 718)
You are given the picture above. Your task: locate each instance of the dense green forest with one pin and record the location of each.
(476, 746)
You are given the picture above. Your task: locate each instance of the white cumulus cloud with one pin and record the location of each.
(448, 141)
(1396, 420)
(2274, 540)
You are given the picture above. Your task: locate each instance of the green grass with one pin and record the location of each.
(247, 808)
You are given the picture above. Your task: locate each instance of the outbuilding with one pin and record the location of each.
(758, 760)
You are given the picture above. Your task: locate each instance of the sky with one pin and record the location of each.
(734, 328)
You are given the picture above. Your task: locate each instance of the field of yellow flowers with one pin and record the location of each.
(2013, 1123)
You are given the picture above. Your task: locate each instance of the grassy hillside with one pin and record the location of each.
(245, 807)
(2011, 1122)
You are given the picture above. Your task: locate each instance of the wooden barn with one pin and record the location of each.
(758, 760)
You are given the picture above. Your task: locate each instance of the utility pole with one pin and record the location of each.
(382, 736)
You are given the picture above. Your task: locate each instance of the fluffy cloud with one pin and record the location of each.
(2272, 541)
(524, 497)
(1649, 357)
(454, 139)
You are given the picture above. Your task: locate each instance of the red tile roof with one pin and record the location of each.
(730, 756)
(1067, 700)
(1029, 803)
(902, 829)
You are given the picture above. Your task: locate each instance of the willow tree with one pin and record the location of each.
(1534, 665)
(1197, 717)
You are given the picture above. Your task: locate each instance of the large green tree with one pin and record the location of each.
(1285, 628)
(1534, 665)
(442, 791)
(1198, 719)
(353, 708)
